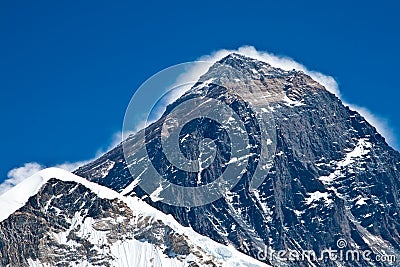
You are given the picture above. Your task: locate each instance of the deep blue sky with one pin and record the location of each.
(69, 68)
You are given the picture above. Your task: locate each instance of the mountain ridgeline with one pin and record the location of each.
(251, 161)
(329, 174)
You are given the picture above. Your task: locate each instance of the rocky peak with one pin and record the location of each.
(257, 80)
(328, 162)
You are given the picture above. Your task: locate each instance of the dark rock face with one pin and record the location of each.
(333, 175)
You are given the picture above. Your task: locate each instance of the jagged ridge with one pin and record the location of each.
(60, 219)
(317, 187)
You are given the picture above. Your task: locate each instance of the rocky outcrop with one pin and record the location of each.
(67, 224)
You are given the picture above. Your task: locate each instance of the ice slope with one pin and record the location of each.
(125, 253)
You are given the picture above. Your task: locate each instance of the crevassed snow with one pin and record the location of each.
(135, 253)
(126, 253)
(16, 197)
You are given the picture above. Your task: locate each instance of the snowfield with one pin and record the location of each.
(125, 253)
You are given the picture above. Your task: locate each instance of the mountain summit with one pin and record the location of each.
(265, 160)
(331, 176)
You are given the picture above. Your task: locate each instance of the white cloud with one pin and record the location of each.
(71, 166)
(191, 76)
(116, 138)
(194, 70)
(287, 63)
(17, 175)
(380, 123)
(283, 62)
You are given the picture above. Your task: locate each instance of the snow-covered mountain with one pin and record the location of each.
(332, 175)
(56, 218)
(314, 173)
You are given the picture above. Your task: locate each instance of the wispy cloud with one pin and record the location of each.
(283, 62)
(379, 122)
(192, 75)
(19, 174)
(287, 63)
(115, 140)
